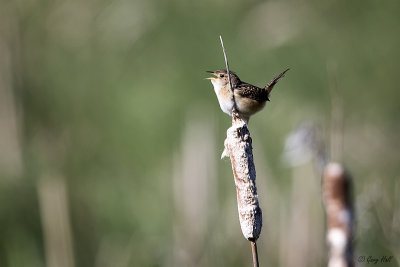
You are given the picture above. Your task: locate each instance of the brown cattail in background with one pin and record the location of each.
(339, 212)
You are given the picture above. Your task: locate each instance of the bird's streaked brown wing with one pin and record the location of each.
(252, 92)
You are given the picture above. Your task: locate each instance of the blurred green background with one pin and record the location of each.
(110, 137)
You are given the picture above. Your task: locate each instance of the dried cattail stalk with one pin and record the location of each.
(239, 149)
(339, 212)
(53, 203)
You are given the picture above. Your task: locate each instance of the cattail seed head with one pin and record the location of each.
(339, 214)
(238, 146)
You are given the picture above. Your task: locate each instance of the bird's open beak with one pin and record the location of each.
(210, 78)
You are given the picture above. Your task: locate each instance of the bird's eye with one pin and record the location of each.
(221, 75)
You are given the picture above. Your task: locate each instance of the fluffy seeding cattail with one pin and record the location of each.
(339, 213)
(239, 149)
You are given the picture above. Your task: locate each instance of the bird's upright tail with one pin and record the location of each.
(272, 83)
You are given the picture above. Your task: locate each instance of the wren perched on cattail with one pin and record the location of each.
(246, 98)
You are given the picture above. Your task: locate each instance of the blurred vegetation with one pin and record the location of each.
(110, 137)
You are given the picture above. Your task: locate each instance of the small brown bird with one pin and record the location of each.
(248, 98)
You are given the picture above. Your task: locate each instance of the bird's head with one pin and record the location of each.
(221, 78)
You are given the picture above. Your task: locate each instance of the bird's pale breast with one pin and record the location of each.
(248, 106)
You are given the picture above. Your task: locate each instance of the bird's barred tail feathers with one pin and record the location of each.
(272, 83)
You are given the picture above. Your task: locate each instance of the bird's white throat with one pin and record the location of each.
(222, 92)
